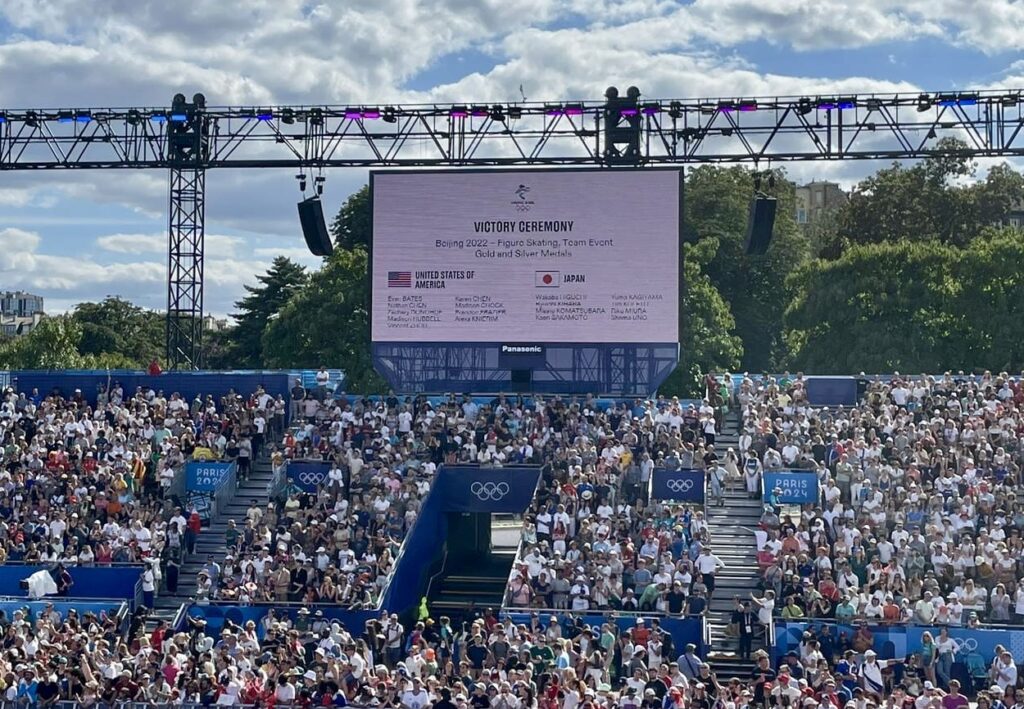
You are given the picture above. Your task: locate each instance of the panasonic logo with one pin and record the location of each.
(522, 349)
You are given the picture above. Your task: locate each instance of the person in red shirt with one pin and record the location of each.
(154, 369)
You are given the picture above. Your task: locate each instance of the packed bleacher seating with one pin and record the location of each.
(918, 522)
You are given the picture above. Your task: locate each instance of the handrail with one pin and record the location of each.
(440, 572)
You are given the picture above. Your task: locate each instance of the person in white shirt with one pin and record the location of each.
(1005, 670)
(707, 564)
(871, 672)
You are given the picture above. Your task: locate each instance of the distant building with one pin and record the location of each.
(212, 324)
(16, 325)
(20, 304)
(816, 199)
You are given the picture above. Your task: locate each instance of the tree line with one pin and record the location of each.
(918, 271)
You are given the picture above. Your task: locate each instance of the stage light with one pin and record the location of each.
(497, 113)
(179, 117)
(931, 134)
(825, 103)
(651, 108)
(158, 118)
(847, 102)
(83, 117)
(629, 111)
(968, 99)
(316, 116)
(247, 113)
(370, 113)
(478, 111)
(552, 109)
(264, 114)
(32, 119)
(803, 106)
(515, 112)
(675, 110)
(924, 102)
(134, 117)
(726, 106)
(288, 116)
(458, 112)
(708, 108)
(1008, 101)
(3, 116)
(874, 104)
(946, 100)
(389, 115)
(573, 109)
(352, 114)
(65, 117)
(748, 105)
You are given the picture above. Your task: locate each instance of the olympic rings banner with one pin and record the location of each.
(308, 474)
(678, 485)
(486, 489)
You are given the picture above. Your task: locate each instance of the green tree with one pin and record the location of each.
(707, 339)
(717, 203)
(352, 226)
(327, 323)
(52, 344)
(886, 307)
(120, 330)
(262, 302)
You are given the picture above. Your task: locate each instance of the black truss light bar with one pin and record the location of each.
(711, 130)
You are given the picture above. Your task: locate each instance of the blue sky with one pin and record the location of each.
(75, 237)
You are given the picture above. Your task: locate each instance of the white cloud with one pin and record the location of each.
(133, 243)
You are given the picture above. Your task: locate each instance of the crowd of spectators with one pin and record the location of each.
(88, 482)
(918, 519)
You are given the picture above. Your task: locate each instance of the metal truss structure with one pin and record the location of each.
(190, 138)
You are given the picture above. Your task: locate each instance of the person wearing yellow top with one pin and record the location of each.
(203, 453)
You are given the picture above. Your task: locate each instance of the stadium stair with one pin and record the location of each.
(731, 528)
(211, 541)
(467, 589)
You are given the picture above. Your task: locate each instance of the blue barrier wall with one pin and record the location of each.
(682, 630)
(353, 620)
(461, 488)
(831, 391)
(121, 582)
(7, 607)
(424, 545)
(188, 384)
(901, 640)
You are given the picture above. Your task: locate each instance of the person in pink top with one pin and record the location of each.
(954, 700)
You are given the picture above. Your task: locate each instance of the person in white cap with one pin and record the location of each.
(871, 672)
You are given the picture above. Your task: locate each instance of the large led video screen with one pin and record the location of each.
(539, 256)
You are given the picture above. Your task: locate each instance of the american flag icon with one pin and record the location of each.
(399, 279)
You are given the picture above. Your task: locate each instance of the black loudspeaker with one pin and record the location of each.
(521, 376)
(314, 229)
(760, 224)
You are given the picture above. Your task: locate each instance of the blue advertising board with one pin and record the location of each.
(798, 487)
(205, 476)
(678, 485)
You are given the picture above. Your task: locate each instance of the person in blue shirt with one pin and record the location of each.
(28, 686)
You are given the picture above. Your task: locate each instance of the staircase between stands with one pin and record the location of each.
(731, 528)
(211, 541)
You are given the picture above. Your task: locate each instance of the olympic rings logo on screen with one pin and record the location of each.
(679, 485)
(489, 491)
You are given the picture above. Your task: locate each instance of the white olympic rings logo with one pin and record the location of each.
(679, 485)
(310, 477)
(489, 491)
